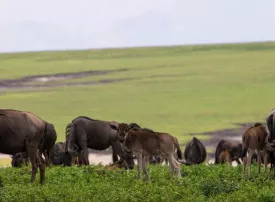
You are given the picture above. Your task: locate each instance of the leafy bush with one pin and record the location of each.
(96, 183)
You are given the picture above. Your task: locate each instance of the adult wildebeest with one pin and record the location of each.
(47, 150)
(195, 152)
(22, 131)
(253, 140)
(228, 151)
(19, 159)
(270, 122)
(85, 133)
(48, 142)
(146, 143)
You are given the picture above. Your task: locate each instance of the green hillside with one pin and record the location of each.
(178, 89)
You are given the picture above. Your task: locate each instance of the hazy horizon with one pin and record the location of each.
(67, 25)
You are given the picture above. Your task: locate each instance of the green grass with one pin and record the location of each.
(95, 183)
(173, 89)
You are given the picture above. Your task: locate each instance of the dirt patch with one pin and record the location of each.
(40, 82)
(52, 79)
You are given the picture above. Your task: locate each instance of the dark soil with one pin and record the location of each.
(38, 82)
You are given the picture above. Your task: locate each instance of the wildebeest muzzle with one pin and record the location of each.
(121, 137)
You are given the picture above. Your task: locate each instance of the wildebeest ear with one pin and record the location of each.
(114, 125)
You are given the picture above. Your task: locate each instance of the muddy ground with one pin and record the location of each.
(46, 81)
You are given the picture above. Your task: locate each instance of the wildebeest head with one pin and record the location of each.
(122, 130)
(19, 159)
(67, 159)
(129, 161)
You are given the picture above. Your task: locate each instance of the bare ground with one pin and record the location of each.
(39, 82)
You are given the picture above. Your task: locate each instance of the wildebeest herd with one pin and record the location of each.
(26, 137)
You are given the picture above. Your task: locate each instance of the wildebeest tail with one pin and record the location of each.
(41, 143)
(68, 129)
(245, 145)
(179, 152)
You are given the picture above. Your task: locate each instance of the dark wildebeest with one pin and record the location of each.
(228, 151)
(85, 133)
(146, 143)
(48, 143)
(19, 159)
(58, 153)
(270, 122)
(77, 157)
(195, 152)
(23, 132)
(253, 140)
(60, 157)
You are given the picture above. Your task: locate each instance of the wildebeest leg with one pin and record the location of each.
(139, 162)
(144, 168)
(46, 158)
(117, 148)
(250, 154)
(51, 151)
(172, 166)
(265, 162)
(114, 157)
(41, 165)
(32, 150)
(244, 164)
(259, 160)
(177, 167)
(86, 155)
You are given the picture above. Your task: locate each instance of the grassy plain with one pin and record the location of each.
(179, 89)
(175, 89)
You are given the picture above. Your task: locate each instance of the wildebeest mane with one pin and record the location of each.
(84, 117)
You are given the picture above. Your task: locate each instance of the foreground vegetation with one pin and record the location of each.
(95, 183)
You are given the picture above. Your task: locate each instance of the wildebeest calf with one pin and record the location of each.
(228, 151)
(253, 140)
(146, 143)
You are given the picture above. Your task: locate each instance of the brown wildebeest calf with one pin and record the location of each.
(225, 157)
(253, 140)
(228, 151)
(146, 143)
